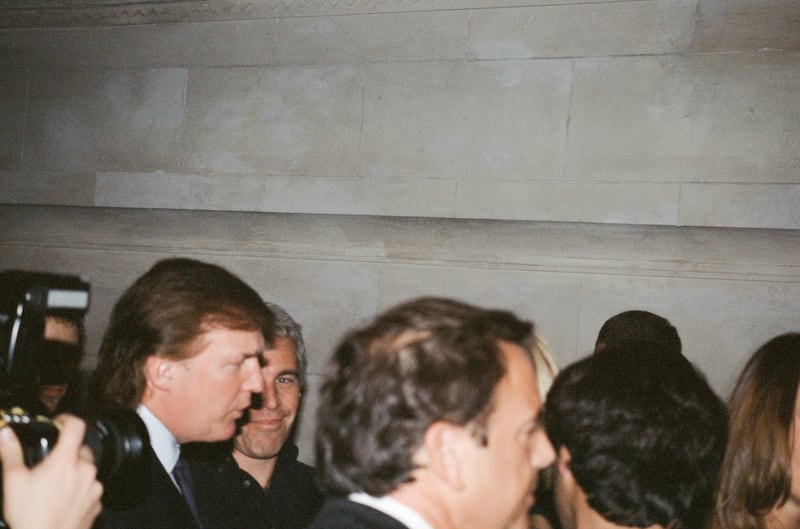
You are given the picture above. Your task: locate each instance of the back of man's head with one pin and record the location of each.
(645, 436)
(423, 361)
(638, 326)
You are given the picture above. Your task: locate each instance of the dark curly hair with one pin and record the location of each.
(645, 432)
(638, 326)
(427, 360)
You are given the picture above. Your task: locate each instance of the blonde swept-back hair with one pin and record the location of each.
(545, 364)
(756, 472)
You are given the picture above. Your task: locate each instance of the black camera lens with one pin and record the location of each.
(36, 434)
(117, 439)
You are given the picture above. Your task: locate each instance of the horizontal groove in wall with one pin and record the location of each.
(564, 248)
(32, 13)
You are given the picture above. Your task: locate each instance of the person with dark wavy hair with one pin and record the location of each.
(760, 478)
(638, 326)
(639, 437)
(428, 419)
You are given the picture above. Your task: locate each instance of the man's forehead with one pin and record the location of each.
(520, 371)
(282, 348)
(514, 350)
(219, 334)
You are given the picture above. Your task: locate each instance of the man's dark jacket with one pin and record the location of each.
(144, 497)
(341, 513)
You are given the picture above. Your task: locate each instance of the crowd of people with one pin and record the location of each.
(436, 414)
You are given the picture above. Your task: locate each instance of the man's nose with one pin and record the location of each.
(253, 382)
(271, 396)
(542, 454)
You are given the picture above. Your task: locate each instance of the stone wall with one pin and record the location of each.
(567, 159)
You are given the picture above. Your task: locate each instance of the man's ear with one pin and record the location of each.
(444, 453)
(159, 371)
(562, 463)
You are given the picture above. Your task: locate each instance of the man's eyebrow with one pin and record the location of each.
(251, 354)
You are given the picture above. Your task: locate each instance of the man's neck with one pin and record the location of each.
(260, 469)
(591, 519)
(425, 505)
(787, 516)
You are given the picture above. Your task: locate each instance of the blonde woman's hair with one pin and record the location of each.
(545, 363)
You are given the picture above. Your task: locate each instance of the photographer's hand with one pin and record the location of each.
(61, 492)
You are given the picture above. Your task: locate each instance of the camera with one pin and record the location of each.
(29, 361)
(116, 439)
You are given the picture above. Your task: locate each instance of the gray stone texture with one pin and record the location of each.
(53, 188)
(381, 37)
(581, 30)
(93, 120)
(480, 110)
(13, 87)
(565, 159)
(727, 25)
(465, 120)
(273, 121)
(701, 118)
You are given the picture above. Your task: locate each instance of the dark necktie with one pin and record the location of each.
(184, 479)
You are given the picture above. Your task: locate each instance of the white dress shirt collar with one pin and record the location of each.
(164, 444)
(391, 507)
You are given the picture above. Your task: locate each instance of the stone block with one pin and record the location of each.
(390, 37)
(143, 46)
(278, 194)
(273, 120)
(359, 196)
(729, 25)
(584, 29)
(58, 189)
(607, 202)
(179, 191)
(702, 118)
(13, 87)
(466, 120)
(92, 120)
(741, 205)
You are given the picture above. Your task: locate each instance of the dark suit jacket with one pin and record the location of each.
(341, 513)
(144, 497)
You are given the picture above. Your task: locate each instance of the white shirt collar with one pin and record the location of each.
(164, 444)
(394, 508)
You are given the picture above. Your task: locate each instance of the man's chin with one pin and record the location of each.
(223, 433)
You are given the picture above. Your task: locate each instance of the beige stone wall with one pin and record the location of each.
(566, 159)
(665, 112)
